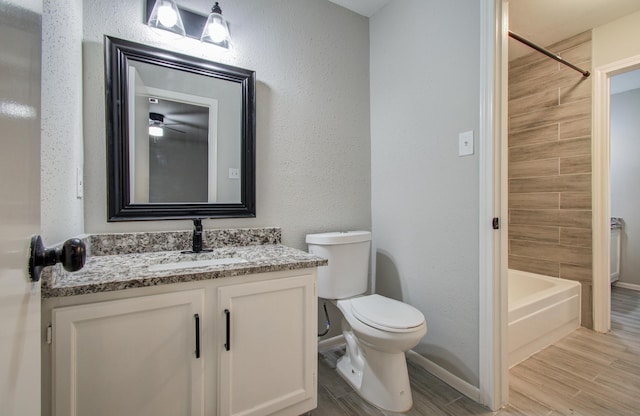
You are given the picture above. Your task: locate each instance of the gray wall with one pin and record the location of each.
(424, 91)
(311, 58)
(625, 187)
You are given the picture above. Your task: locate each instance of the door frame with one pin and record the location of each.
(601, 193)
(493, 255)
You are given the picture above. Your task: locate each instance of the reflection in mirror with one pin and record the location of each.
(181, 135)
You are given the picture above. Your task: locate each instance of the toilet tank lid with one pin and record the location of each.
(339, 237)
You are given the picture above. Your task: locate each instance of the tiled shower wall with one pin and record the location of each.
(550, 166)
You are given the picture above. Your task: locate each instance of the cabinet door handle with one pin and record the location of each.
(197, 319)
(227, 345)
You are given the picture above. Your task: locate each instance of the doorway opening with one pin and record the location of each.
(601, 150)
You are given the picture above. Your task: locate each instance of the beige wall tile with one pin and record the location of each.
(576, 272)
(575, 164)
(579, 90)
(526, 264)
(546, 167)
(550, 218)
(579, 53)
(545, 116)
(571, 42)
(564, 148)
(575, 128)
(551, 252)
(584, 65)
(541, 68)
(534, 102)
(546, 200)
(578, 237)
(575, 200)
(534, 136)
(548, 82)
(534, 233)
(587, 305)
(564, 183)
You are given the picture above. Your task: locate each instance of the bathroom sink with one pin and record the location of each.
(197, 263)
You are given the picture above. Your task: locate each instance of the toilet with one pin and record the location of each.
(377, 330)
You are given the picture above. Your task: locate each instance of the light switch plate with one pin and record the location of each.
(465, 143)
(79, 184)
(234, 173)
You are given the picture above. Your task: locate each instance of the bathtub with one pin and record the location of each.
(542, 310)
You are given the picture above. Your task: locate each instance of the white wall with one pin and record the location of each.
(424, 91)
(62, 214)
(616, 40)
(625, 171)
(311, 59)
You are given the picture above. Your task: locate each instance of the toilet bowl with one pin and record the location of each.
(374, 363)
(377, 330)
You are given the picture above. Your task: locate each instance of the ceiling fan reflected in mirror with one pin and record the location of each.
(157, 125)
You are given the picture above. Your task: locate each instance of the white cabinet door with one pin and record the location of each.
(130, 357)
(271, 363)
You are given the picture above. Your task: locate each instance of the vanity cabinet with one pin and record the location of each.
(132, 356)
(269, 357)
(137, 355)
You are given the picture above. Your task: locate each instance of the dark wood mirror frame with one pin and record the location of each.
(120, 208)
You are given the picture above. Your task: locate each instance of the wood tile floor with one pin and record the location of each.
(585, 374)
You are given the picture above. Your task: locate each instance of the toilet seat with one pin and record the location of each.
(386, 314)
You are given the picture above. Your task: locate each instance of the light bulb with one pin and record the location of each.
(217, 32)
(166, 15)
(156, 131)
(165, 18)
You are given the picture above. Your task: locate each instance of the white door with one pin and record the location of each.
(19, 205)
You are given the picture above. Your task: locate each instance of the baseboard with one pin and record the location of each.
(627, 285)
(454, 381)
(330, 343)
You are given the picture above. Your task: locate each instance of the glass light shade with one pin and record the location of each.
(165, 16)
(216, 30)
(156, 131)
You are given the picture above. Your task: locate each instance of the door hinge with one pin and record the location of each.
(496, 223)
(49, 333)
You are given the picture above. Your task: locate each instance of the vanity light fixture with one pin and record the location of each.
(156, 122)
(215, 29)
(166, 16)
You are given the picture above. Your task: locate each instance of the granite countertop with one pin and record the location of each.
(122, 271)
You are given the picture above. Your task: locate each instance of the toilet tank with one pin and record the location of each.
(347, 273)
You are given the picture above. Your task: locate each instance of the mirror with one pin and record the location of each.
(180, 135)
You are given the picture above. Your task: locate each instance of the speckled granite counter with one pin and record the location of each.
(104, 273)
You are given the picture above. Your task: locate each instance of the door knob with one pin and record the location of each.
(72, 255)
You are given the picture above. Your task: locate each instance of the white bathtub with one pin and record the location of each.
(542, 310)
